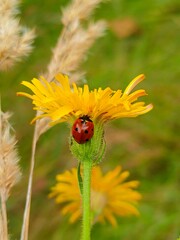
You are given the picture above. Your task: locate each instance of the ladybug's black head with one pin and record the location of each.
(86, 118)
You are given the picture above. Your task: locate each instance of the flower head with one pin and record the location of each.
(59, 102)
(111, 196)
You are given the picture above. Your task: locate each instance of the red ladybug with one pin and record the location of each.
(83, 129)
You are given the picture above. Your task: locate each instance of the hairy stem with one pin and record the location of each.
(87, 165)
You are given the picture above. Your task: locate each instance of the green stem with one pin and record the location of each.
(86, 199)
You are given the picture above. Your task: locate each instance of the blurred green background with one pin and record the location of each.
(147, 146)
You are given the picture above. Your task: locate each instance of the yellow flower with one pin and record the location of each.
(59, 102)
(111, 196)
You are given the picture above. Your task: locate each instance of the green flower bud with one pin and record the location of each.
(93, 150)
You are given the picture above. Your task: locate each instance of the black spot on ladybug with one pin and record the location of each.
(92, 129)
(76, 129)
(86, 131)
(87, 140)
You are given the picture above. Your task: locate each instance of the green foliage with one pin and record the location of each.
(148, 146)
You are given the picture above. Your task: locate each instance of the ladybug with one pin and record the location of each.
(83, 129)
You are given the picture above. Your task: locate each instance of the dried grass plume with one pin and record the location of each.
(75, 39)
(9, 168)
(15, 40)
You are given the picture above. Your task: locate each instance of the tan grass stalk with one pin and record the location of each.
(3, 218)
(15, 40)
(9, 168)
(79, 9)
(1, 226)
(72, 47)
(68, 54)
(25, 225)
(74, 42)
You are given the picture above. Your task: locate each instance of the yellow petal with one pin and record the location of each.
(133, 83)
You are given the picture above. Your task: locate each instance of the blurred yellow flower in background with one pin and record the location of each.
(111, 196)
(59, 102)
